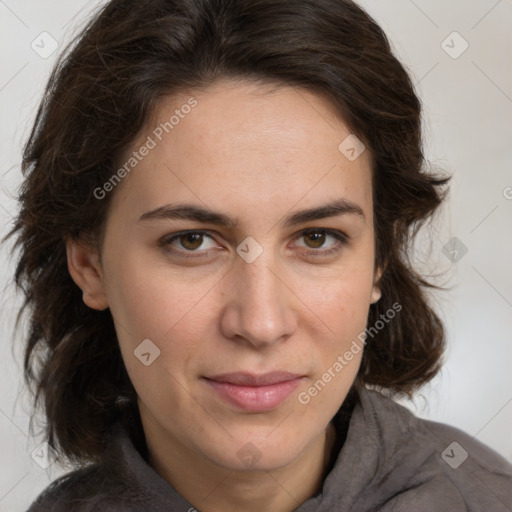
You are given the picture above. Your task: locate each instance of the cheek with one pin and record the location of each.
(158, 331)
(152, 303)
(152, 300)
(341, 299)
(342, 306)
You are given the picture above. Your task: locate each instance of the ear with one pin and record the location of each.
(376, 291)
(85, 269)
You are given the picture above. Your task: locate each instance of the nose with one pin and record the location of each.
(259, 308)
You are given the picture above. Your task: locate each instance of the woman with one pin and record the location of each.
(218, 201)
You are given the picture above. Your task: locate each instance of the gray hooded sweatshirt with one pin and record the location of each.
(390, 461)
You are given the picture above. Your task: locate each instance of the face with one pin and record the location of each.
(220, 254)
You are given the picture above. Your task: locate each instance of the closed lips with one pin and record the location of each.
(248, 379)
(254, 393)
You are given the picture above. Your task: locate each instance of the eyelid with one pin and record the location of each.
(342, 240)
(168, 239)
(339, 235)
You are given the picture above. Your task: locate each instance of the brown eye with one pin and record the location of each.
(322, 242)
(191, 241)
(315, 239)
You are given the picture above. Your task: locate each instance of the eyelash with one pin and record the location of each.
(341, 238)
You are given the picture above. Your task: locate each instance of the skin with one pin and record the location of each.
(257, 155)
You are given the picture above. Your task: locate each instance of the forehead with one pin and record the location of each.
(246, 145)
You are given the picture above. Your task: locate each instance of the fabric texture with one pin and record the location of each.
(390, 461)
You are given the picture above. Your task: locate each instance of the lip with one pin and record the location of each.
(252, 392)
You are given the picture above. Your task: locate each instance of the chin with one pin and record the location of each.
(258, 453)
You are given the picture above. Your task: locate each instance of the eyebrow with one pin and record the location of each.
(197, 213)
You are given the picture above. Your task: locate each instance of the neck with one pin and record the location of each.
(212, 488)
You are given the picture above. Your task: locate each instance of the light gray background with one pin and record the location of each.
(468, 107)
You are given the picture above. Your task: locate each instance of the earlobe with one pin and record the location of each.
(376, 291)
(85, 270)
(376, 294)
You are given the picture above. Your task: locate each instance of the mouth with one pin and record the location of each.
(252, 392)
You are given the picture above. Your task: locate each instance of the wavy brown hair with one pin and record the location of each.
(103, 89)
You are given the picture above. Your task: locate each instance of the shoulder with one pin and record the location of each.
(122, 481)
(477, 472)
(108, 485)
(97, 487)
(446, 465)
(71, 492)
